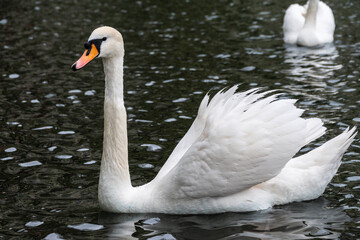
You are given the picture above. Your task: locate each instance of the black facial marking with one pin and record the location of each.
(96, 42)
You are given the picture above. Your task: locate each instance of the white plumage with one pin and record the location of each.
(236, 156)
(310, 25)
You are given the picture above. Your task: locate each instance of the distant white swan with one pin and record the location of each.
(310, 25)
(236, 156)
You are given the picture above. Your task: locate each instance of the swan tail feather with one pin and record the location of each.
(306, 177)
(331, 151)
(315, 128)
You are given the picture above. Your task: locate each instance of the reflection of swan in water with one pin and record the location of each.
(311, 65)
(295, 221)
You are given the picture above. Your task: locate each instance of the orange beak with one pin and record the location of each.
(87, 56)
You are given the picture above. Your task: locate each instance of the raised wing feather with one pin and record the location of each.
(198, 126)
(192, 134)
(246, 139)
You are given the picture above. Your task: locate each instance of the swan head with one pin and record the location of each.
(104, 42)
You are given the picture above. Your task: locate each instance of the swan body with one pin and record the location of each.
(238, 155)
(310, 25)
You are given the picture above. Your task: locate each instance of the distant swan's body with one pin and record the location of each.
(236, 156)
(310, 25)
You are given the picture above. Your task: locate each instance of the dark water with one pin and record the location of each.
(51, 118)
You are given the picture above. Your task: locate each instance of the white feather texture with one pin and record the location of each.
(310, 25)
(236, 156)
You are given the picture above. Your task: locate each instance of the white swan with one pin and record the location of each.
(310, 25)
(236, 156)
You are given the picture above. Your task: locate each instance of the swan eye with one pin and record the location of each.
(104, 38)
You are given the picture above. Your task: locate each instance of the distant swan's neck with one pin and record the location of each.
(114, 172)
(310, 19)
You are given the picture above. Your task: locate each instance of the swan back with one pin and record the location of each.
(325, 23)
(293, 22)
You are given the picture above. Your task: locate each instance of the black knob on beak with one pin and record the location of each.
(87, 45)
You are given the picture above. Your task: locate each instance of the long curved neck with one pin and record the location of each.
(114, 86)
(310, 19)
(114, 170)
